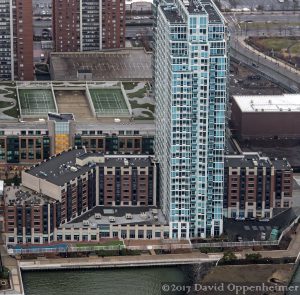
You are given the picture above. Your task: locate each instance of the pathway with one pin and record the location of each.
(16, 279)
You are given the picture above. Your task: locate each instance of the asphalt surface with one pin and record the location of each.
(251, 230)
(265, 66)
(267, 4)
(274, 70)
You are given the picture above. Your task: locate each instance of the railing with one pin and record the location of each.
(66, 249)
(235, 244)
(160, 247)
(96, 248)
(285, 231)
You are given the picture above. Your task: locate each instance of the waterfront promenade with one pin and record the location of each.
(15, 274)
(118, 261)
(151, 259)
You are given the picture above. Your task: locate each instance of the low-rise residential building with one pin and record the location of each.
(61, 190)
(255, 185)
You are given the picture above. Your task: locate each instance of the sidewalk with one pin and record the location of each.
(118, 261)
(273, 60)
(16, 279)
(292, 251)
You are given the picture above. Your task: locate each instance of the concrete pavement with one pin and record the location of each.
(292, 251)
(119, 261)
(261, 64)
(16, 278)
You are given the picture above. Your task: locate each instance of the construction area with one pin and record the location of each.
(245, 81)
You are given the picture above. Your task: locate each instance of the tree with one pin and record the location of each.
(218, 3)
(228, 256)
(233, 3)
(260, 7)
(253, 257)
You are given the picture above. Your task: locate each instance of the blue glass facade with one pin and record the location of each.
(191, 67)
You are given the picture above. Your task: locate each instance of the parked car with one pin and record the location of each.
(239, 218)
(264, 220)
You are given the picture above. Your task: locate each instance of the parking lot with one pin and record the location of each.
(250, 230)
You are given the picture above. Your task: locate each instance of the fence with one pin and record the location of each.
(235, 244)
(67, 249)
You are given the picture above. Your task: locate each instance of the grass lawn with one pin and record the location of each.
(129, 85)
(295, 49)
(109, 243)
(146, 106)
(148, 114)
(280, 44)
(12, 112)
(140, 93)
(5, 104)
(277, 44)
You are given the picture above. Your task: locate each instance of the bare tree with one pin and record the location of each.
(233, 3)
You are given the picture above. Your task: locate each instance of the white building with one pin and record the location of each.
(191, 67)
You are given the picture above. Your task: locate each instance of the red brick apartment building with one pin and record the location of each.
(88, 25)
(254, 186)
(16, 42)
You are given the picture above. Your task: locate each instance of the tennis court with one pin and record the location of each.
(109, 101)
(35, 102)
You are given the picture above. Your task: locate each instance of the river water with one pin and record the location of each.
(127, 281)
(295, 281)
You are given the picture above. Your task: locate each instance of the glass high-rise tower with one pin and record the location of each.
(191, 69)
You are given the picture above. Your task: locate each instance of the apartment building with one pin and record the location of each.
(254, 185)
(62, 189)
(191, 69)
(30, 143)
(16, 43)
(88, 25)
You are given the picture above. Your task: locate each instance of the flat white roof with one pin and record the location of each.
(268, 103)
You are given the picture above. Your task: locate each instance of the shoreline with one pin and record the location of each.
(116, 262)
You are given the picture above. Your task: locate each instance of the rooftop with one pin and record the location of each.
(108, 65)
(139, 215)
(252, 160)
(194, 6)
(213, 14)
(60, 117)
(64, 167)
(24, 196)
(269, 103)
(57, 169)
(171, 13)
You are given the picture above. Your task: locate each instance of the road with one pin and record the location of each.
(278, 71)
(262, 64)
(132, 31)
(265, 17)
(266, 4)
